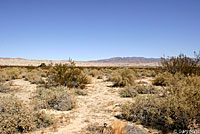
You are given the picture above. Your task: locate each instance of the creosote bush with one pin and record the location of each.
(15, 117)
(182, 64)
(67, 75)
(123, 77)
(57, 98)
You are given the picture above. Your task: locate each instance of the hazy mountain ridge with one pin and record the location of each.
(128, 60)
(116, 61)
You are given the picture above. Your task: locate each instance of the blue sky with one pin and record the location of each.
(96, 29)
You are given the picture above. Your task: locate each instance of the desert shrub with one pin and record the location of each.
(15, 117)
(34, 78)
(148, 111)
(182, 64)
(7, 74)
(11, 73)
(145, 89)
(43, 120)
(67, 75)
(123, 77)
(94, 73)
(42, 65)
(162, 79)
(133, 91)
(165, 79)
(178, 110)
(128, 92)
(145, 73)
(57, 98)
(116, 127)
(183, 102)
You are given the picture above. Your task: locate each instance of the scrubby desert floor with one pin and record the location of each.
(101, 106)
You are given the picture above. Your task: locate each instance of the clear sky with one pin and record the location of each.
(96, 29)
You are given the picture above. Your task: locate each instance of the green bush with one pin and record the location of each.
(57, 98)
(15, 117)
(123, 77)
(67, 75)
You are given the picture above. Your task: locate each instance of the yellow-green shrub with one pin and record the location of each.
(123, 77)
(67, 75)
(94, 73)
(162, 79)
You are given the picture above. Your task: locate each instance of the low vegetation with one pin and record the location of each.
(162, 79)
(179, 108)
(7, 74)
(35, 76)
(67, 75)
(128, 92)
(58, 98)
(15, 117)
(123, 77)
(95, 73)
(182, 64)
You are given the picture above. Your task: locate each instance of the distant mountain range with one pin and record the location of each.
(116, 61)
(128, 60)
